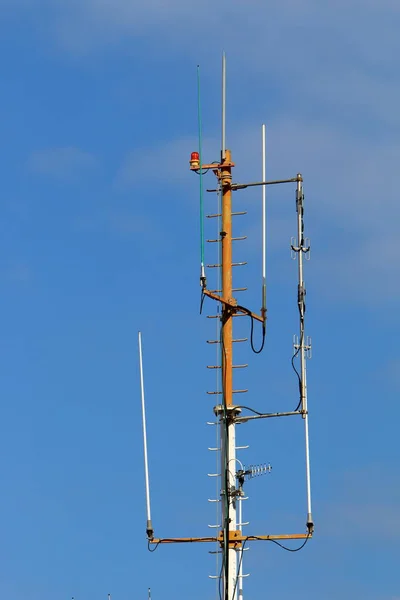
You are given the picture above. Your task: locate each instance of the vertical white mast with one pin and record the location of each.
(232, 500)
(149, 526)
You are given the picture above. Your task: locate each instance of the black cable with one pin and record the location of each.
(220, 581)
(260, 414)
(225, 562)
(302, 309)
(248, 312)
(238, 569)
(285, 547)
(301, 292)
(204, 172)
(251, 337)
(152, 549)
(202, 300)
(275, 542)
(296, 371)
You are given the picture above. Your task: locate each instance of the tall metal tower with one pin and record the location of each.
(231, 540)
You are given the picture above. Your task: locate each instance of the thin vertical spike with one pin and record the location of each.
(264, 228)
(202, 269)
(149, 526)
(223, 127)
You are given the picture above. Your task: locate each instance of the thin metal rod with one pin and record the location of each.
(223, 120)
(242, 186)
(149, 526)
(310, 523)
(264, 226)
(267, 416)
(200, 133)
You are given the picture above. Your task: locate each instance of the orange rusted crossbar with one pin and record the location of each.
(235, 538)
(233, 306)
(214, 167)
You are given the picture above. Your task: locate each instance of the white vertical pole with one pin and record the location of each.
(310, 523)
(149, 526)
(264, 224)
(228, 462)
(232, 553)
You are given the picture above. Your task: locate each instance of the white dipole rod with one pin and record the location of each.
(223, 123)
(149, 527)
(310, 523)
(264, 224)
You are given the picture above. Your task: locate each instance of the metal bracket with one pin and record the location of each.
(295, 248)
(307, 346)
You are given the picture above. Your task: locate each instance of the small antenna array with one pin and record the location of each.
(231, 473)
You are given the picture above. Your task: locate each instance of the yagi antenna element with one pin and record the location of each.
(149, 526)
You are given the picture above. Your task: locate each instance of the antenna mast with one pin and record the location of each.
(231, 540)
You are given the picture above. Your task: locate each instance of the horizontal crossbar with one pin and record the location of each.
(238, 538)
(233, 306)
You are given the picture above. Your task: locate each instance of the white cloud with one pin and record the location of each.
(64, 163)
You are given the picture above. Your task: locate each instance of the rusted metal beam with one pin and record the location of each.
(233, 305)
(234, 538)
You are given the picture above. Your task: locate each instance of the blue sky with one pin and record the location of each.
(99, 238)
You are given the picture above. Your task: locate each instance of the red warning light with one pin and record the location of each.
(194, 160)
